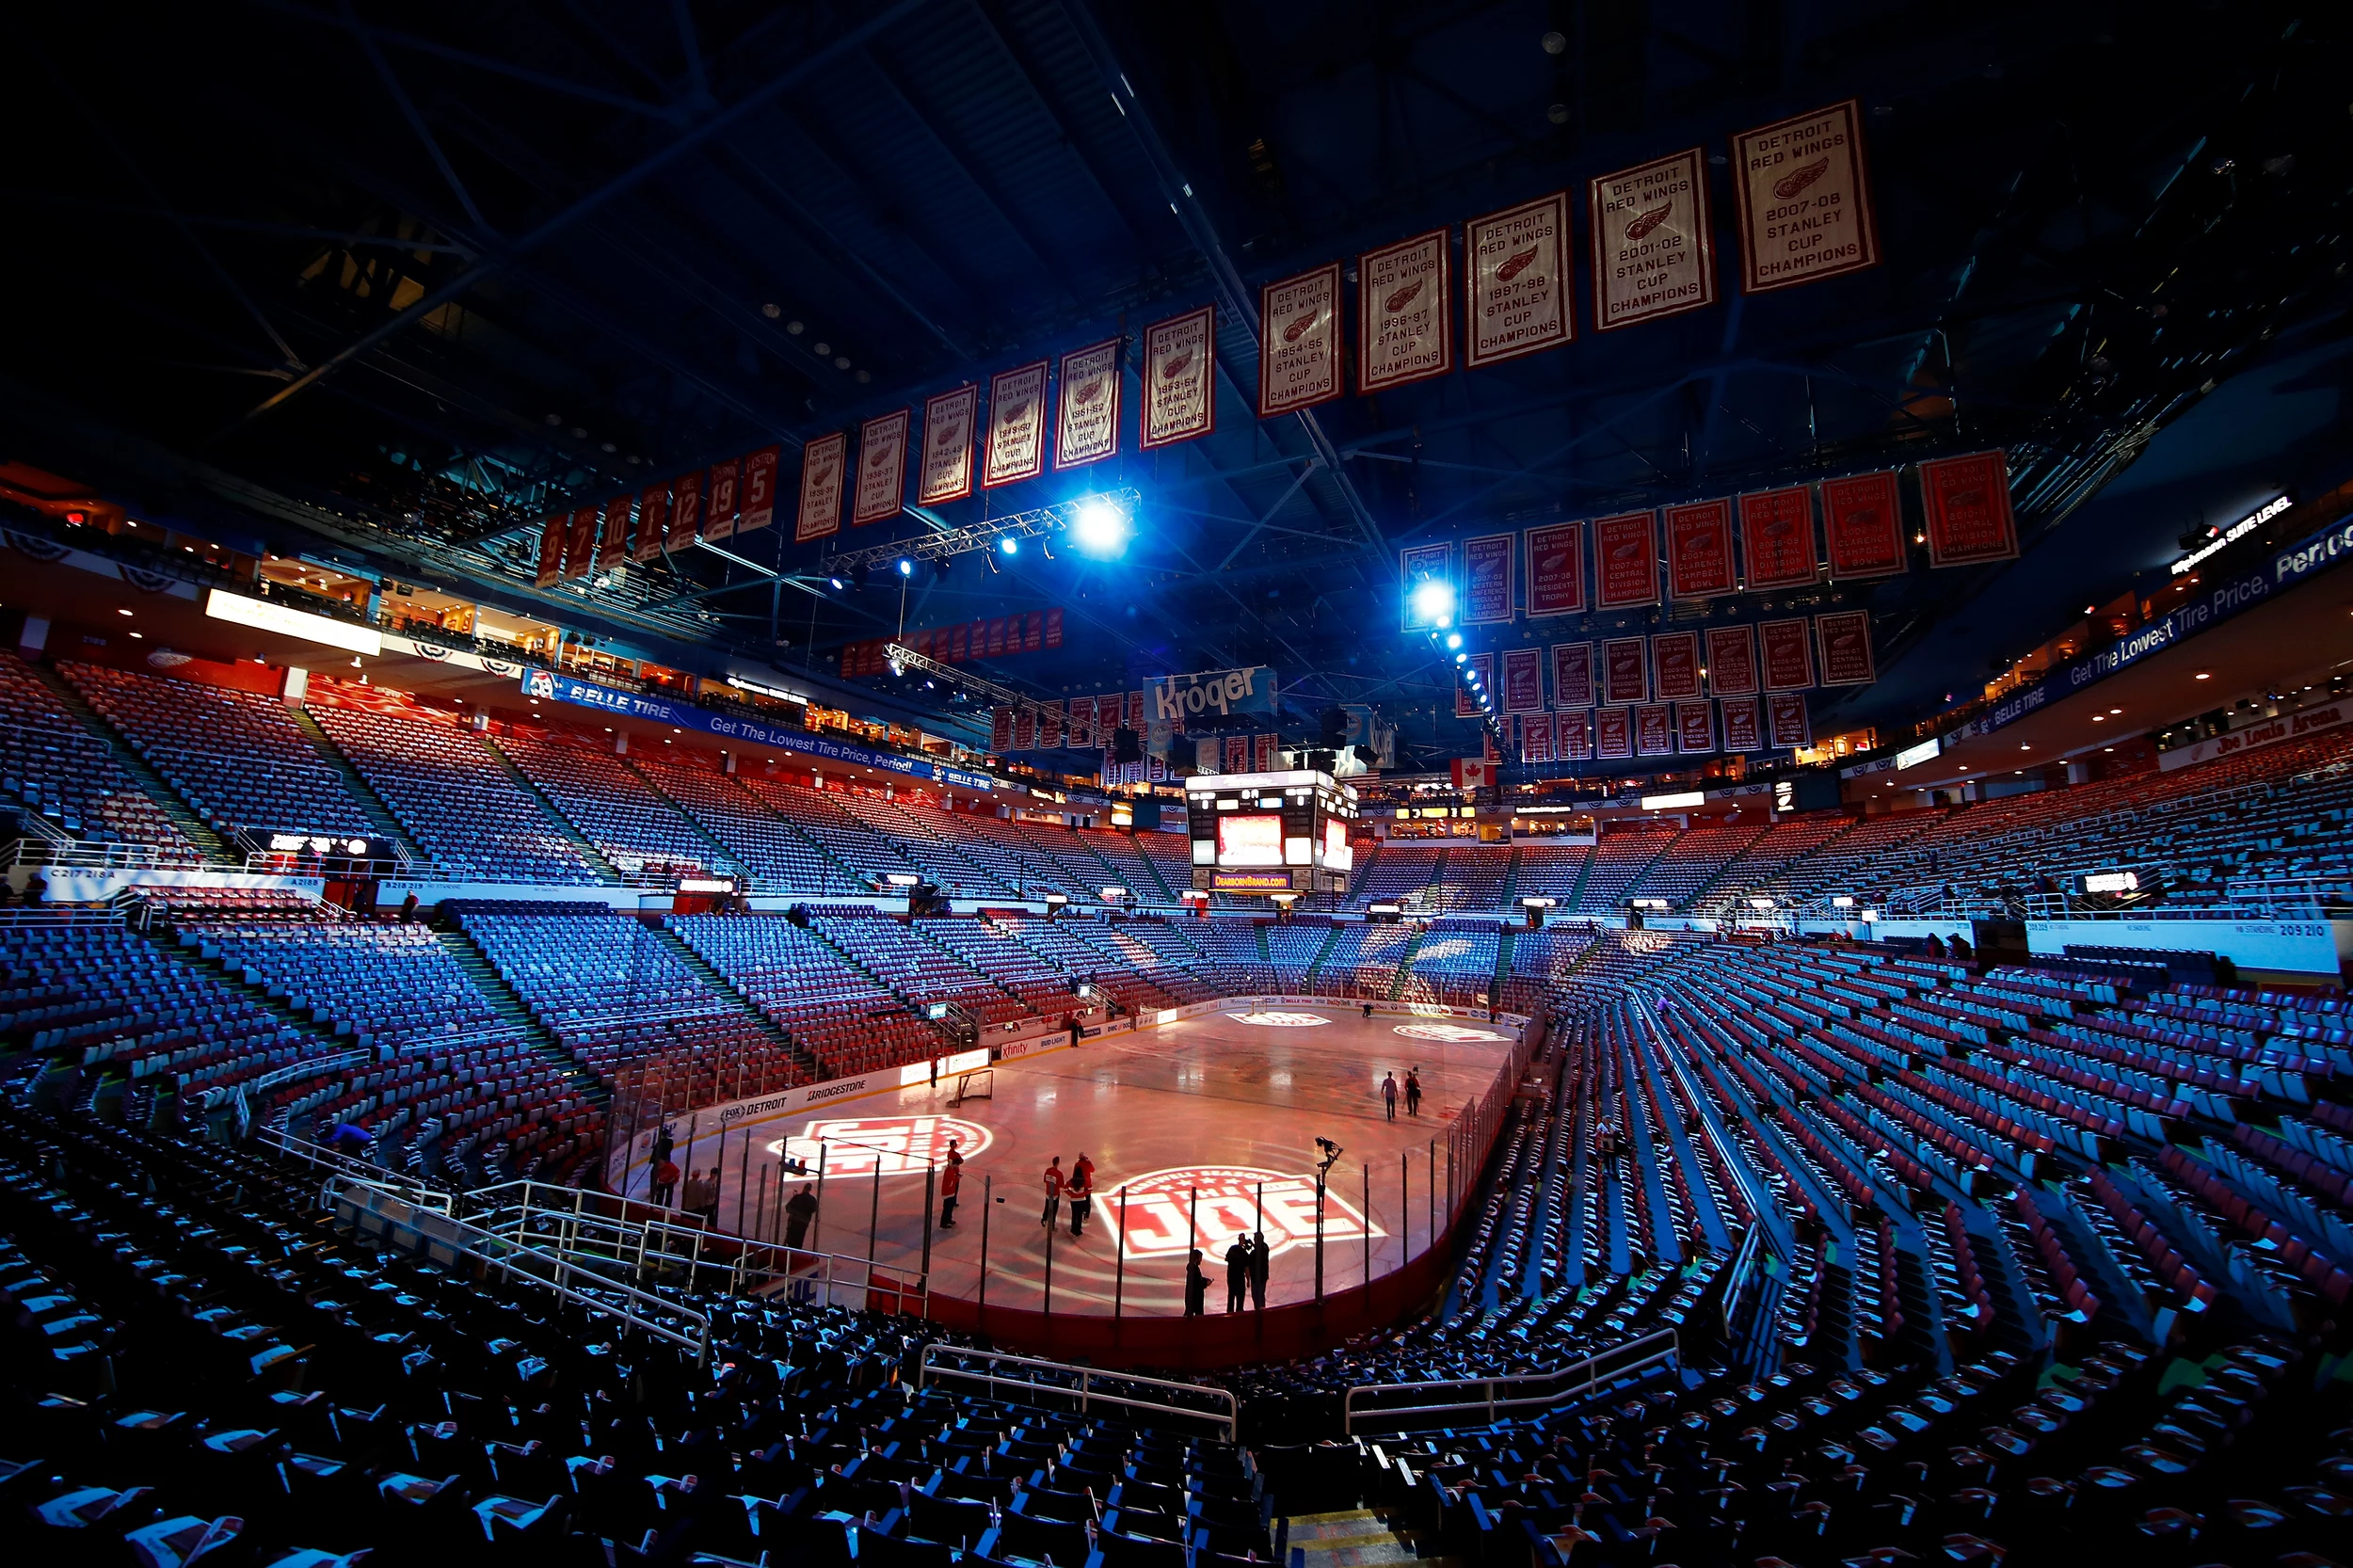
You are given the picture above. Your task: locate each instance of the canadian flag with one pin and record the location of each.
(1471, 773)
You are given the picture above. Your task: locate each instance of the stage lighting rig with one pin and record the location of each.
(1097, 524)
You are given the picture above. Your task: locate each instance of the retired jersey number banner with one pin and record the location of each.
(552, 549)
(1698, 550)
(1743, 730)
(1674, 663)
(1846, 639)
(1966, 501)
(1863, 515)
(1625, 673)
(1523, 680)
(1654, 252)
(1805, 201)
(613, 538)
(1572, 736)
(1787, 720)
(1086, 423)
(1613, 733)
(1777, 539)
(1418, 564)
(653, 522)
(1404, 312)
(686, 508)
(1555, 570)
(579, 543)
(1732, 661)
(882, 470)
(1466, 705)
(946, 471)
(759, 489)
(822, 462)
(1017, 426)
(1572, 675)
(1179, 378)
(1789, 660)
(1299, 341)
(1519, 281)
(1626, 560)
(1653, 729)
(724, 494)
(1695, 728)
(1487, 580)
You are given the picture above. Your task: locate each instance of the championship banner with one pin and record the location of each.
(1625, 670)
(1626, 560)
(759, 489)
(944, 473)
(1519, 281)
(957, 652)
(1536, 732)
(1788, 658)
(1025, 730)
(1966, 501)
(1086, 423)
(1786, 723)
(1268, 755)
(1051, 730)
(1555, 570)
(1805, 205)
(1674, 663)
(1404, 313)
(1777, 539)
(1017, 426)
(882, 470)
(1053, 627)
(579, 543)
(1486, 599)
(1237, 754)
(1732, 661)
(1001, 730)
(1572, 736)
(1743, 729)
(1416, 565)
(1846, 639)
(1695, 728)
(1613, 734)
(1133, 716)
(724, 495)
(1699, 551)
(1299, 341)
(686, 509)
(1080, 728)
(1654, 730)
(1466, 700)
(1206, 753)
(552, 531)
(1654, 252)
(822, 462)
(1863, 515)
(613, 533)
(1180, 377)
(1523, 680)
(653, 522)
(1572, 675)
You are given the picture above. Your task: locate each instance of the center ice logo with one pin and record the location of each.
(1280, 1020)
(1454, 1034)
(1164, 1206)
(899, 1144)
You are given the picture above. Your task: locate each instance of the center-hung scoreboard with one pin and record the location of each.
(1273, 834)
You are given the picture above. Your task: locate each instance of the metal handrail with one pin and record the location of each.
(1562, 1380)
(926, 1369)
(342, 1167)
(313, 1067)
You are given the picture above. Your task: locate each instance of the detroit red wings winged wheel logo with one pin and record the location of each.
(1401, 298)
(1791, 184)
(1176, 366)
(1018, 412)
(1297, 329)
(1516, 263)
(879, 456)
(1089, 393)
(1648, 221)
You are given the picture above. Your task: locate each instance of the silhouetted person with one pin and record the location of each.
(1413, 1092)
(1258, 1259)
(1054, 1182)
(950, 1181)
(1196, 1286)
(1237, 1272)
(798, 1210)
(1389, 1095)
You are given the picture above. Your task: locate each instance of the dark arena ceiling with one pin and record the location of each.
(393, 283)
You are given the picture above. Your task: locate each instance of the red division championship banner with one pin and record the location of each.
(1786, 722)
(1654, 250)
(1804, 199)
(822, 463)
(1613, 734)
(1626, 560)
(1695, 728)
(1863, 515)
(759, 489)
(1487, 580)
(1536, 734)
(1732, 661)
(944, 473)
(1025, 727)
(1519, 281)
(653, 522)
(1625, 672)
(1180, 377)
(1777, 539)
(1404, 312)
(1743, 727)
(1299, 341)
(1079, 728)
(1237, 758)
(1017, 426)
(1523, 680)
(1555, 570)
(1572, 736)
(1653, 729)
(1698, 550)
(1966, 501)
(882, 470)
(1266, 753)
(721, 500)
(1572, 675)
(1466, 696)
(1674, 663)
(1086, 423)
(1001, 730)
(1789, 660)
(1050, 725)
(1846, 639)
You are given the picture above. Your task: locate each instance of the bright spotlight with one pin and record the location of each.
(1099, 527)
(1454, 639)
(1461, 658)
(1011, 547)
(906, 567)
(1433, 600)
(835, 582)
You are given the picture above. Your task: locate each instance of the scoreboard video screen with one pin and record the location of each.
(1270, 832)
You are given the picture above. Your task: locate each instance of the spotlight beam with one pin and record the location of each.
(1037, 523)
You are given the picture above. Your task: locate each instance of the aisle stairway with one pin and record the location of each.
(512, 1011)
(555, 819)
(719, 986)
(166, 799)
(379, 811)
(1345, 1540)
(720, 859)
